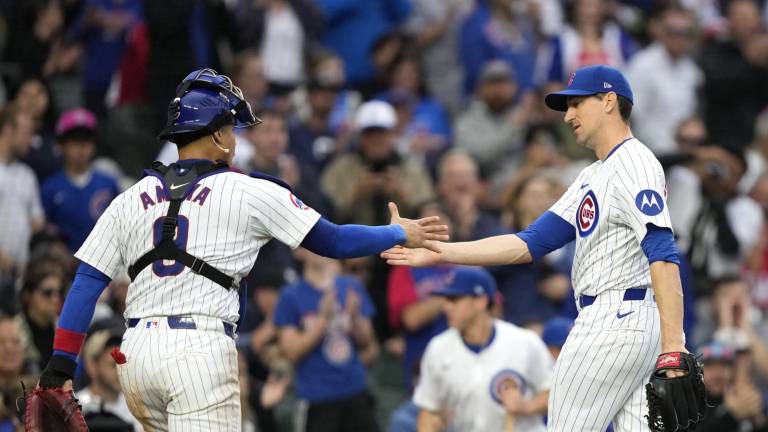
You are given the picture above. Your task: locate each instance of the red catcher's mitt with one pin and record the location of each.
(52, 410)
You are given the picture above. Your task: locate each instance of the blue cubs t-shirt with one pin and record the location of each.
(74, 209)
(332, 370)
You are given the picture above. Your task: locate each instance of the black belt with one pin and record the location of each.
(184, 322)
(630, 294)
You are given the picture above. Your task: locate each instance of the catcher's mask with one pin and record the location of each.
(205, 101)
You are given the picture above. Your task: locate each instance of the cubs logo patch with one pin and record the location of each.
(649, 202)
(504, 379)
(587, 214)
(299, 204)
(337, 349)
(570, 78)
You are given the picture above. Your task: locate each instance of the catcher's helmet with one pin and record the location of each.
(205, 101)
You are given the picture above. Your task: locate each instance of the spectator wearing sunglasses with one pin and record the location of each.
(41, 300)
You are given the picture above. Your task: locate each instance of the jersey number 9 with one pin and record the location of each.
(182, 233)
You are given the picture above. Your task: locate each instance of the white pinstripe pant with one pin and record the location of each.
(181, 379)
(605, 363)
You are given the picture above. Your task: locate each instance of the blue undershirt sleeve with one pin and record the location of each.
(81, 300)
(659, 245)
(547, 233)
(351, 241)
(77, 313)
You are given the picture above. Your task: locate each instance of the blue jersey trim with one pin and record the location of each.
(477, 348)
(659, 245)
(613, 150)
(547, 233)
(273, 179)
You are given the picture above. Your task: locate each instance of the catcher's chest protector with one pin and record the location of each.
(178, 182)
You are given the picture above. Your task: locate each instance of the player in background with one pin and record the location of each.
(188, 234)
(482, 374)
(616, 210)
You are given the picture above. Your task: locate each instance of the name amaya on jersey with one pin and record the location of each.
(225, 221)
(610, 204)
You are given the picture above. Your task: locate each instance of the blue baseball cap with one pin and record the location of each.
(556, 331)
(589, 81)
(468, 281)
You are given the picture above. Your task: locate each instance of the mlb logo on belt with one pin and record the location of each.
(587, 214)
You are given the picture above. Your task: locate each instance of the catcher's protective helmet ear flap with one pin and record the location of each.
(205, 101)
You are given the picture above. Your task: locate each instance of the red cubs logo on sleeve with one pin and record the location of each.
(587, 214)
(299, 204)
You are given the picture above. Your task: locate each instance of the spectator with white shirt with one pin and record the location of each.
(21, 211)
(283, 31)
(665, 80)
(716, 225)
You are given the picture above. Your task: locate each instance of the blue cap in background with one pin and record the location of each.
(468, 281)
(589, 81)
(556, 331)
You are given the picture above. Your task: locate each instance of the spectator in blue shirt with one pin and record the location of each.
(352, 26)
(495, 31)
(75, 197)
(324, 328)
(102, 28)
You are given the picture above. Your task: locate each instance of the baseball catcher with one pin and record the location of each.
(676, 402)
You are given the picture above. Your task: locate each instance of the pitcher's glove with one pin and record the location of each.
(49, 407)
(676, 404)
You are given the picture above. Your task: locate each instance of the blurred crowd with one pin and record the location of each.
(436, 105)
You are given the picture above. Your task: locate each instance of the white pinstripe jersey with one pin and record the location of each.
(466, 386)
(225, 221)
(609, 205)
